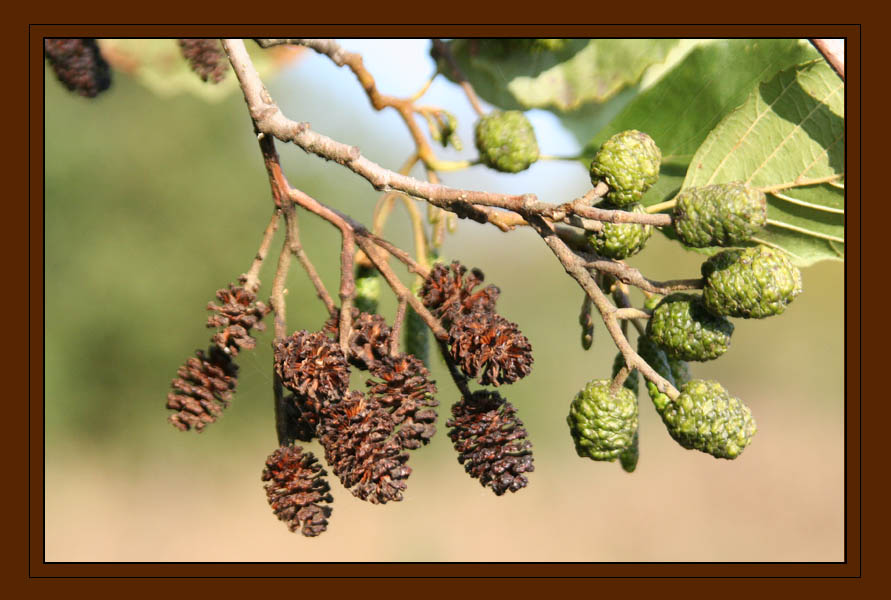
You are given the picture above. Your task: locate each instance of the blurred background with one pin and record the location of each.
(155, 201)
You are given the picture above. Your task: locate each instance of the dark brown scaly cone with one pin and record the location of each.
(491, 441)
(488, 346)
(369, 338)
(449, 292)
(297, 490)
(406, 392)
(206, 57)
(312, 366)
(238, 313)
(202, 389)
(78, 64)
(359, 447)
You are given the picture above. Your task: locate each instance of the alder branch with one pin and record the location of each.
(470, 204)
(251, 279)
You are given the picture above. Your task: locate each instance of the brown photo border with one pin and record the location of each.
(33, 438)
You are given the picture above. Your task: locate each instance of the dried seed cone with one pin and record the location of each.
(313, 367)
(632, 382)
(706, 418)
(490, 348)
(450, 291)
(369, 337)
(685, 329)
(491, 441)
(506, 141)
(629, 164)
(751, 283)
(206, 57)
(620, 240)
(726, 214)
(297, 491)
(357, 436)
(602, 424)
(404, 389)
(238, 313)
(78, 64)
(202, 390)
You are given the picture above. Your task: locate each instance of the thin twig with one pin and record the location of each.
(277, 295)
(310, 269)
(831, 53)
(397, 326)
(251, 279)
(440, 48)
(347, 286)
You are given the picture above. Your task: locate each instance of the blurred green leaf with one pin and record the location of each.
(511, 75)
(786, 137)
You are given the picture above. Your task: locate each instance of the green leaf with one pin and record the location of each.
(787, 138)
(682, 107)
(159, 65)
(581, 72)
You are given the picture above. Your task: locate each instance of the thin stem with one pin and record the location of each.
(277, 295)
(667, 205)
(397, 326)
(251, 279)
(440, 48)
(347, 286)
(458, 377)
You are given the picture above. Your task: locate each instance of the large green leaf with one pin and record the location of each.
(682, 107)
(787, 138)
(581, 72)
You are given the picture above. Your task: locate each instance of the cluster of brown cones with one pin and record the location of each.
(366, 436)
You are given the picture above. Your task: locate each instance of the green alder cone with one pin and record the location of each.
(414, 331)
(506, 141)
(629, 164)
(726, 214)
(620, 240)
(751, 283)
(368, 289)
(685, 329)
(602, 424)
(706, 418)
(628, 458)
(632, 382)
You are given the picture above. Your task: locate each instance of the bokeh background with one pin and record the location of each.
(155, 201)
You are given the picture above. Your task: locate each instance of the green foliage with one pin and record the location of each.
(562, 78)
(796, 121)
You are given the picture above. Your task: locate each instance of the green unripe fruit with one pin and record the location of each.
(652, 302)
(632, 382)
(368, 289)
(602, 424)
(751, 283)
(706, 418)
(506, 141)
(628, 458)
(726, 214)
(685, 329)
(414, 331)
(659, 361)
(620, 240)
(629, 164)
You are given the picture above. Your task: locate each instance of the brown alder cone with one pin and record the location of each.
(313, 367)
(238, 313)
(202, 389)
(488, 346)
(369, 337)
(406, 392)
(297, 491)
(206, 57)
(449, 292)
(78, 64)
(357, 436)
(491, 441)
